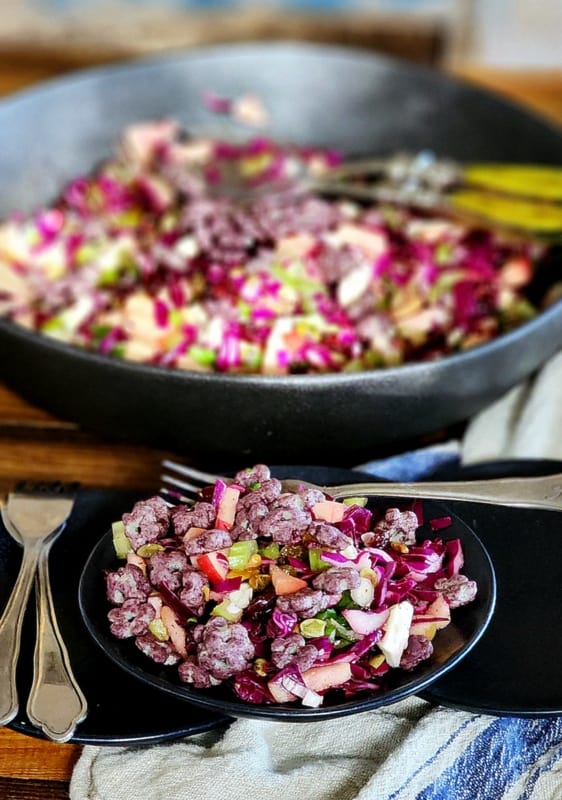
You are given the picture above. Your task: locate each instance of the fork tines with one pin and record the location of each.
(199, 476)
(183, 491)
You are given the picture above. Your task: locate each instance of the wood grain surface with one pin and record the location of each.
(34, 444)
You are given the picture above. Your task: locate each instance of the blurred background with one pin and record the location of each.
(489, 40)
(494, 32)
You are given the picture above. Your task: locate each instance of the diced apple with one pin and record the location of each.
(193, 533)
(329, 511)
(241, 597)
(516, 272)
(427, 629)
(283, 583)
(365, 622)
(280, 694)
(354, 285)
(321, 678)
(396, 632)
(226, 510)
(295, 246)
(214, 565)
(373, 243)
(141, 140)
(156, 602)
(275, 361)
(137, 561)
(177, 634)
(440, 611)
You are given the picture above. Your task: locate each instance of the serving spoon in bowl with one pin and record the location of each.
(537, 492)
(519, 198)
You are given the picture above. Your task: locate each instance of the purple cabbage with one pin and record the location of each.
(281, 624)
(252, 688)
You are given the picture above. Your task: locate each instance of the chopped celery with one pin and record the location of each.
(270, 551)
(147, 550)
(159, 630)
(121, 543)
(336, 627)
(240, 553)
(228, 610)
(355, 501)
(316, 563)
(444, 253)
(330, 613)
(203, 355)
(313, 628)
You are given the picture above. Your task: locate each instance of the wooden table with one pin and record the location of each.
(34, 445)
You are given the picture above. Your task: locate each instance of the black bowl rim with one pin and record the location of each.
(345, 52)
(409, 369)
(281, 713)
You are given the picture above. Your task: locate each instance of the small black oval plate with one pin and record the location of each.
(121, 709)
(450, 646)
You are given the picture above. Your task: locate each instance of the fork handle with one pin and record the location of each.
(56, 703)
(542, 492)
(10, 632)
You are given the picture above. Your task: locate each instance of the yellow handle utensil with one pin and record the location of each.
(519, 213)
(525, 180)
(522, 198)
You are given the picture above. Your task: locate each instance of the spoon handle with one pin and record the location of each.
(56, 703)
(10, 632)
(543, 492)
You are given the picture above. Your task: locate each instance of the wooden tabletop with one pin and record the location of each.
(35, 445)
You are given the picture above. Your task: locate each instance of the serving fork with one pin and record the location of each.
(520, 198)
(536, 492)
(34, 515)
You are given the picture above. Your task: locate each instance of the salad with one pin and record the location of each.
(146, 260)
(283, 597)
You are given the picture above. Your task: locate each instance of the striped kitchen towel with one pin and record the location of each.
(408, 751)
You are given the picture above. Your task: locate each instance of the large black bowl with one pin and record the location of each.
(351, 100)
(451, 645)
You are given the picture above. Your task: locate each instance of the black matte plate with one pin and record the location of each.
(450, 646)
(515, 668)
(122, 709)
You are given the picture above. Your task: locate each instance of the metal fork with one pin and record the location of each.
(543, 492)
(34, 515)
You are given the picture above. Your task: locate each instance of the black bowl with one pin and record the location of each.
(352, 100)
(451, 644)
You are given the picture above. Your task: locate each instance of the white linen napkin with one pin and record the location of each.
(405, 751)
